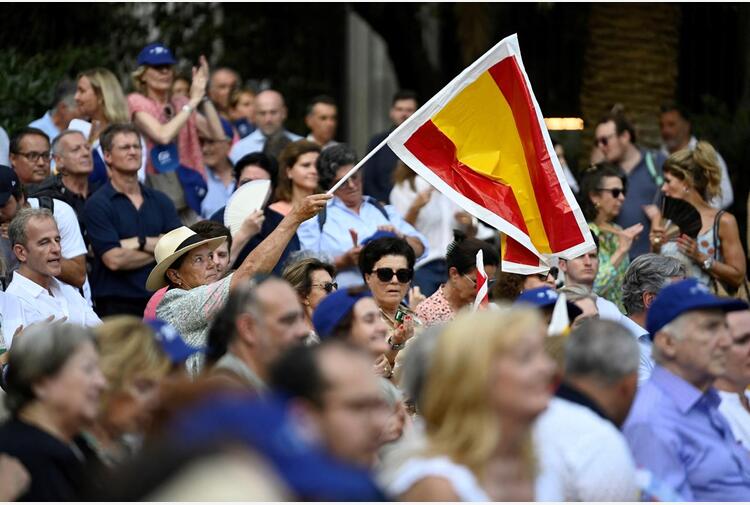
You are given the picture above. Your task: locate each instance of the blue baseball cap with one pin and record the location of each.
(9, 184)
(266, 425)
(171, 342)
(685, 296)
(333, 308)
(194, 186)
(377, 235)
(155, 54)
(544, 297)
(227, 127)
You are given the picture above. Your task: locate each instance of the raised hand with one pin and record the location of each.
(309, 207)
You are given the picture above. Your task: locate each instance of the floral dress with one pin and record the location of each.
(608, 282)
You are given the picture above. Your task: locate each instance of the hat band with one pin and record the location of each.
(192, 239)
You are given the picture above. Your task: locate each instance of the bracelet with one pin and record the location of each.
(395, 347)
(187, 108)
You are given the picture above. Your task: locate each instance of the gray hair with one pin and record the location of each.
(39, 352)
(417, 361)
(648, 273)
(17, 227)
(602, 349)
(575, 292)
(676, 328)
(56, 147)
(331, 159)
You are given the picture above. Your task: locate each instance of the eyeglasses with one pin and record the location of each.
(351, 181)
(34, 156)
(616, 192)
(327, 286)
(604, 141)
(403, 275)
(490, 282)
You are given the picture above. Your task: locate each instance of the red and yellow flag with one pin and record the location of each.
(483, 143)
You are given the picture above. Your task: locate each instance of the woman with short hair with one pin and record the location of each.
(313, 280)
(54, 385)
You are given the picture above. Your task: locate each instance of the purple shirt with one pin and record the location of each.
(677, 433)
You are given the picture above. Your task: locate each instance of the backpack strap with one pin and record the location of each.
(46, 202)
(717, 240)
(657, 177)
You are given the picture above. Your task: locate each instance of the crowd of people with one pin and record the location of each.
(331, 347)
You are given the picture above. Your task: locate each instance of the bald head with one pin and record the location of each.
(270, 112)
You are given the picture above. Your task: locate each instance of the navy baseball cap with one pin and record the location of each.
(685, 296)
(378, 235)
(171, 342)
(155, 54)
(194, 186)
(544, 297)
(266, 425)
(333, 308)
(9, 184)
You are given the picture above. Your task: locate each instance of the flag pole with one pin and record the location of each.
(358, 165)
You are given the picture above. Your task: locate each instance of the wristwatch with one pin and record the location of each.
(707, 263)
(141, 243)
(396, 347)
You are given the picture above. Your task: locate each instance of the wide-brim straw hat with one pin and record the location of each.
(170, 247)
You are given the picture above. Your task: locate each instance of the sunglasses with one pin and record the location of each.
(490, 282)
(616, 192)
(403, 275)
(327, 286)
(604, 141)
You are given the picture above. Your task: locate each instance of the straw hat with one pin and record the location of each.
(170, 247)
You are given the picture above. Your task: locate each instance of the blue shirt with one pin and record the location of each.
(111, 217)
(641, 190)
(46, 124)
(271, 221)
(217, 194)
(677, 433)
(255, 142)
(335, 238)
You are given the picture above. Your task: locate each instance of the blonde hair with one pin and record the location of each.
(108, 90)
(234, 97)
(128, 349)
(135, 78)
(699, 167)
(460, 421)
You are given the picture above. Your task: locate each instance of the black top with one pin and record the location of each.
(57, 469)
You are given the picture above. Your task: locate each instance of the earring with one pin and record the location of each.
(685, 189)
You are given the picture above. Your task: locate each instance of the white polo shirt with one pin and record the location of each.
(64, 301)
(11, 317)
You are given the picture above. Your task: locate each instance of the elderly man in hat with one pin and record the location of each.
(675, 429)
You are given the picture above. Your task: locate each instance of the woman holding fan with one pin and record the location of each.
(604, 188)
(716, 253)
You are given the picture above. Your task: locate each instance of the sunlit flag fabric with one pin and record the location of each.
(482, 142)
(482, 297)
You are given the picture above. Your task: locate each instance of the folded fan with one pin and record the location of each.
(679, 217)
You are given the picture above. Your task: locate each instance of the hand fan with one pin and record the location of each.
(248, 198)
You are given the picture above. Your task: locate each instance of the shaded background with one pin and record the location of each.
(581, 58)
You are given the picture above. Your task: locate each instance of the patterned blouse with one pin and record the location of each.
(608, 282)
(191, 312)
(435, 309)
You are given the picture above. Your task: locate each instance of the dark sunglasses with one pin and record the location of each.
(615, 191)
(403, 275)
(327, 286)
(604, 141)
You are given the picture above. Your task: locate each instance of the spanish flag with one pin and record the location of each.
(483, 143)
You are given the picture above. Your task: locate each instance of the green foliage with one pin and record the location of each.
(27, 83)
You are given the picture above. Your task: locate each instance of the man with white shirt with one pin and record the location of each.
(36, 243)
(644, 278)
(732, 385)
(270, 114)
(675, 130)
(582, 271)
(578, 437)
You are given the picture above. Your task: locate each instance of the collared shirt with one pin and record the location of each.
(11, 317)
(61, 300)
(737, 415)
(677, 433)
(255, 142)
(646, 363)
(328, 144)
(111, 217)
(587, 454)
(642, 190)
(727, 192)
(217, 195)
(46, 124)
(335, 239)
(608, 310)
